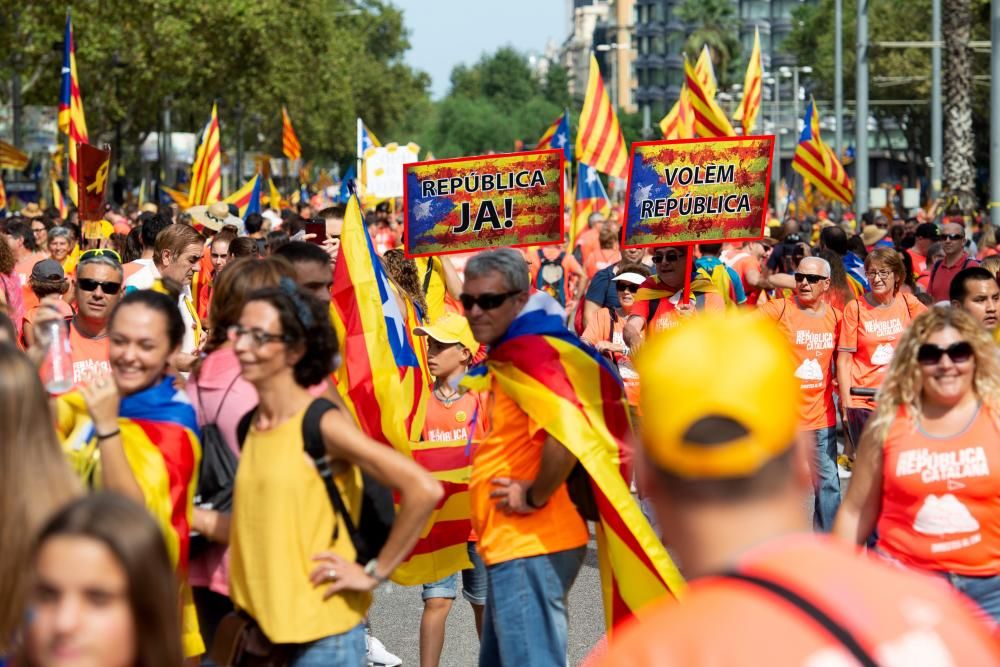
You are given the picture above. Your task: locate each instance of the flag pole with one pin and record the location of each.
(688, 268)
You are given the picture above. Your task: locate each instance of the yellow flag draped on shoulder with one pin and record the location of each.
(569, 390)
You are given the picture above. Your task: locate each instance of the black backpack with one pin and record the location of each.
(377, 508)
(216, 472)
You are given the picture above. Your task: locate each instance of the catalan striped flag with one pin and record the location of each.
(57, 195)
(572, 393)
(206, 172)
(599, 141)
(705, 71)
(817, 162)
(11, 157)
(383, 378)
(178, 197)
(679, 121)
(557, 136)
(247, 198)
(749, 107)
(161, 440)
(709, 119)
(71, 119)
(591, 197)
(289, 142)
(3, 195)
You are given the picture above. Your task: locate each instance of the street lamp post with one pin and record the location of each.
(861, 118)
(606, 48)
(775, 120)
(794, 73)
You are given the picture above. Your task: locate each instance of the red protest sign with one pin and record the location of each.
(92, 166)
(488, 201)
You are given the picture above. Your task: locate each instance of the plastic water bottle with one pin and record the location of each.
(57, 365)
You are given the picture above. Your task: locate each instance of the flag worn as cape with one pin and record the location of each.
(574, 395)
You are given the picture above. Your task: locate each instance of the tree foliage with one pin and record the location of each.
(328, 61)
(714, 23)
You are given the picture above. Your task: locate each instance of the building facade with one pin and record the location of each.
(575, 54)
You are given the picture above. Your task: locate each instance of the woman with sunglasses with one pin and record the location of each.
(869, 334)
(928, 469)
(132, 432)
(605, 329)
(293, 566)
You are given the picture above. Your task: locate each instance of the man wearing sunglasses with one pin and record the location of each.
(955, 260)
(99, 278)
(658, 304)
(812, 328)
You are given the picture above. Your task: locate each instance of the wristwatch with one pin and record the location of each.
(529, 499)
(370, 568)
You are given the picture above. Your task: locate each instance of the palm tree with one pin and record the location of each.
(959, 141)
(713, 23)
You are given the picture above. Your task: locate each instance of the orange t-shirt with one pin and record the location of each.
(898, 617)
(872, 333)
(746, 262)
(601, 258)
(941, 497)
(666, 315)
(23, 268)
(569, 265)
(813, 337)
(601, 328)
(588, 241)
(89, 354)
(512, 447)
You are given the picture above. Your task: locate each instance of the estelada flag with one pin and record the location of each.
(92, 167)
(574, 395)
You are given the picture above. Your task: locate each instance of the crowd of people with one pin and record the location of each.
(183, 480)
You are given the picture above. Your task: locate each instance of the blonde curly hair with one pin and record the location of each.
(903, 385)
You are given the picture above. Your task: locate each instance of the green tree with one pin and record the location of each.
(714, 23)
(556, 86)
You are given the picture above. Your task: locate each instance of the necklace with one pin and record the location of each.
(446, 400)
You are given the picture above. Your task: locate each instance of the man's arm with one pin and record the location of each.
(632, 333)
(511, 495)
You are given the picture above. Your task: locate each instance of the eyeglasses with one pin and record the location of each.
(485, 301)
(811, 277)
(91, 285)
(929, 354)
(621, 287)
(257, 337)
(660, 257)
(38, 230)
(100, 252)
(953, 237)
(882, 274)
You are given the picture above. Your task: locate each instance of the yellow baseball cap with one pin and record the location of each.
(730, 365)
(450, 328)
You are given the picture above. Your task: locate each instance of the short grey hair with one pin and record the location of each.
(101, 259)
(506, 261)
(824, 265)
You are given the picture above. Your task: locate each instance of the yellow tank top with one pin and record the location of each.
(282, 517)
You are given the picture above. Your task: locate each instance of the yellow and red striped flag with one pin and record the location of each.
(749, 106)
(11, 157)
(180, 198)
(706, 72)
(709, 119)
(289, 142)
(3, 195)
(206, 172)
(679, 122)
(71, 119)
(818, 164)
(599, 141)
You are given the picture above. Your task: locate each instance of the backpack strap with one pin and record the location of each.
(934, 272)
(222, 401)
(428, 273)
(244, 427)
(654, 305)
(312, 443)
(835, 629)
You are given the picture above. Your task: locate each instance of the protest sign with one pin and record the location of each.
(488, 201)
(93, 165)
(697, 191)
(384, 169)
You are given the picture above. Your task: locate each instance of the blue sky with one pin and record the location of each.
(444, 33)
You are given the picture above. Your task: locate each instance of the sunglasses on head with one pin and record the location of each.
(485, 301)
(930, 354)
(89, 285)
(953, 237)
(659, 257)
(100, 252)
(811, 277)
(621, 287)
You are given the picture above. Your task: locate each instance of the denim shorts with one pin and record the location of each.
(473, 582)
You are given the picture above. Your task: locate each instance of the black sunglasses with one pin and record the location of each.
(953, 237)
(485, 301)
(621, 287)
(666, 257)
(929, 354)
(89, 285)
(811, 277)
